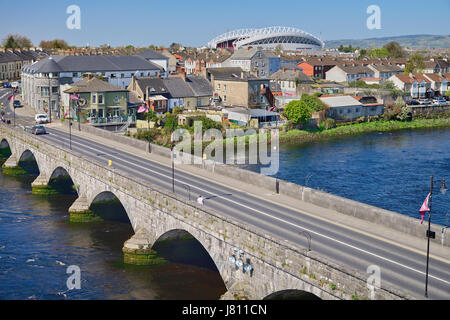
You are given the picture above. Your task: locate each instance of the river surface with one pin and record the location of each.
(388, 170)
(38, 244)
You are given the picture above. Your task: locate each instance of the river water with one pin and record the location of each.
(38, 244)
(388, 170)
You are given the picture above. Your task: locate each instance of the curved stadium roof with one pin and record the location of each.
(288, 37)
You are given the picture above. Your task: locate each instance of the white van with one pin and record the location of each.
(41, 118)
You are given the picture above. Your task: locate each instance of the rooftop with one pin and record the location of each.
(340, 101)
(91, 63)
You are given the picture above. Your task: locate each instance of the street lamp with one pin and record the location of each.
(443, 189)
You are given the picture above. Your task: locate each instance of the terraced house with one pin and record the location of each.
(12, 61)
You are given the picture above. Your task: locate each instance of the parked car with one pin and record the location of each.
(6, 85)
(41, 118)
(439, 101)
(17, 103)
(413, 103)
(446, 98)
(38, 130)
(424, 101)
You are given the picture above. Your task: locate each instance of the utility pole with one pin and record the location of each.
(49, 98)
(428, 236)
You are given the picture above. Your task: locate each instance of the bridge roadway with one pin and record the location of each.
(400, 266)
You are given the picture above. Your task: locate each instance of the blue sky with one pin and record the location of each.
(195, 22)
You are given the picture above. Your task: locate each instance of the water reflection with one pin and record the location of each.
(37, 244)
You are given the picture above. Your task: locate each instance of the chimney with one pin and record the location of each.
(284, 69)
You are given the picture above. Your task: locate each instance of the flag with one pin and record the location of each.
(74, 97)
(142, 109)
(11, 98)
(424, 208)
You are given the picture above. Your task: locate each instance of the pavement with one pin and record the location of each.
(341, 238)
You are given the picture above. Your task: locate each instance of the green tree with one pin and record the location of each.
(177, 110)
(171, 123)
(54, 44)
(313, 102)
(447, 93)
(379, 53)
(298, 112)
(16, 41)
(151, 116)
(387, 84)
(415, 64)
(175, 47)
(394, 50)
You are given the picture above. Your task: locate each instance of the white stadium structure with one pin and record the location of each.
(268, 38)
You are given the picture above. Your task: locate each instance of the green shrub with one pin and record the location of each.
(329, 123)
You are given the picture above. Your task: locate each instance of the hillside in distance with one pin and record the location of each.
(419, 41)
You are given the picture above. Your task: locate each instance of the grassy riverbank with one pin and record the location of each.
(304, 136)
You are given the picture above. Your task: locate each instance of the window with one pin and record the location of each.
(224, 87)
(94, 98)
(218, 86)
(45, 92)
(349, 110)
(122, 75)
(54, 89)
(224, 98)
(116, 99)
(341, 111)
(357, 110)
(100, 98)
(75, 74)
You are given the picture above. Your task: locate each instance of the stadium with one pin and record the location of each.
(269, 38)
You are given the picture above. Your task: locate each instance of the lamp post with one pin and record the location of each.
(443, 190)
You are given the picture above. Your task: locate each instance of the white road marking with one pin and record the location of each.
(273, 217)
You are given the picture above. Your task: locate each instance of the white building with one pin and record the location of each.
(349, 73)
(41, 80)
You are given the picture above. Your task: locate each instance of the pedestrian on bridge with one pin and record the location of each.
(200, 200)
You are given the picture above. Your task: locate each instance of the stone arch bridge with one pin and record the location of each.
(277, 265)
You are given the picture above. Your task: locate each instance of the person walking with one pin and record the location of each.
(200, 200)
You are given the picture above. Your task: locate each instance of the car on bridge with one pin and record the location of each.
(41, 118)
(38, 129)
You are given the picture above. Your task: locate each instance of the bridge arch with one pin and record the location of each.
(5, 148)
(108, 206)
(181, 246)
(60, 180)
(291, 294)
(29, 162)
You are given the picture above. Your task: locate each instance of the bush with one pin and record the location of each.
(329, 123)
(171, 123)
(208, 123)
(298, 112)
(177, 110)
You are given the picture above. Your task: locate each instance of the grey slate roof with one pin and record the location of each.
(178, 88)
(291, 75)
(155, 85)
(200, 86)
(93, 85)
(22, 55)
(93, 64)
(150, 54)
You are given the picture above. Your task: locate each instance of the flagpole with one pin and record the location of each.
(428, 236)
